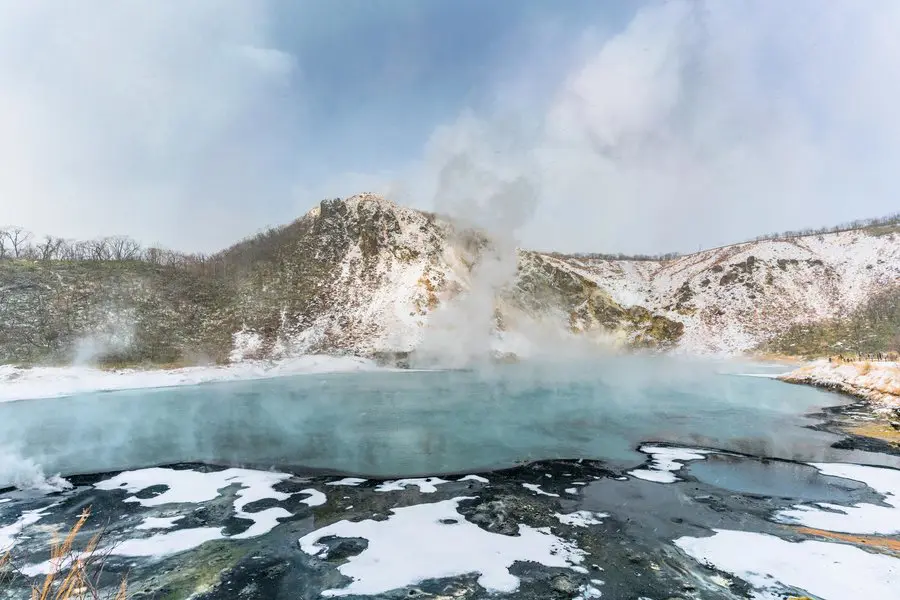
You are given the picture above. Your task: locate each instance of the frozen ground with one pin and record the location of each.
(17, 383)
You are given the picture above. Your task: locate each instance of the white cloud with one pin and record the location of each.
(160, 120)
(707, 123)
(699, 123)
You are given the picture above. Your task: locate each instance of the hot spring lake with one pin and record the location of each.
(405, 423)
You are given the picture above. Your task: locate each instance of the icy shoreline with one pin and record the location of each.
(18, 383)
(875, 382)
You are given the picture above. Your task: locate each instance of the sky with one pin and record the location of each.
(617, 126)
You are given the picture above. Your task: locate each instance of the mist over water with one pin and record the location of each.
(409, 423)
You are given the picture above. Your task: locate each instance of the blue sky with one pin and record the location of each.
(579, 125)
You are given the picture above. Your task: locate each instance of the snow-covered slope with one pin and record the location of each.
(732, 299)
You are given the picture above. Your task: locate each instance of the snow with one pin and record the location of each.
(537, 490)
(477, 478)
(316, 498)
(822, 569)
(581, 518)
(791, 281)
(878, 382)
(165, 544)
(10, 533)
(420, 542)
(348, 481)
(18, 383)
(666, 462)
(159, 522)
(858, 519)
(192, 487)
(426, 485)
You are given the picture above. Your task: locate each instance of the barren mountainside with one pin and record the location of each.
(365, 276)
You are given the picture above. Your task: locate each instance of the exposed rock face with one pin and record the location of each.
(365, 276)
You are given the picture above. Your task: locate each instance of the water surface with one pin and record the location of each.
(406, 423)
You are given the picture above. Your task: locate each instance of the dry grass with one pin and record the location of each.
(865, 368)
(73, 575)
(883, 544)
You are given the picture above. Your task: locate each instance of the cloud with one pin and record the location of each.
(697, 123)
(165, 121)
(701, 123)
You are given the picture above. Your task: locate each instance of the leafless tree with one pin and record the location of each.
(50, 248)
(98, 249)
(18, 239)
(123, 248)
(4, 245)
(153, 255)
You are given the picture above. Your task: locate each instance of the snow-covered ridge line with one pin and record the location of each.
(876, 382)
(734, 298)
(18, 383)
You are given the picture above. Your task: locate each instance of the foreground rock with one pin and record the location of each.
(875, 382)
(672, 527)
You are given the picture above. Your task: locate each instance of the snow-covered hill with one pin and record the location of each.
(732, 299)
(365, 276)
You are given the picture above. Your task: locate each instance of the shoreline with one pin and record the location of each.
(878, 383)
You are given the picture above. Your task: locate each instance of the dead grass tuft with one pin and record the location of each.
(74, 575)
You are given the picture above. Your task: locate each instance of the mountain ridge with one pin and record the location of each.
(365, 276)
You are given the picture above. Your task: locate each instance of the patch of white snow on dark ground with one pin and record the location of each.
(348, 481)
(581, 518)
(432, 541)
(426, 485)
(861, 518)
(823, 569)
(666, 462)
(537, 490)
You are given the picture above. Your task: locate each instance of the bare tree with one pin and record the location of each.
(98, 249)
(18, 239)
(123, 248)
(50, 248)
(4, 244)
(153, 255)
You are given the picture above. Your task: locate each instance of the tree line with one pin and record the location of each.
(889, 220)
(18, 243)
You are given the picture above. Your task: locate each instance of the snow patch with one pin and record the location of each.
(431, 541)
(191, 487)
(822, 569)
(477, 478)
(159, 522)
(9, 534)
(858, 519)
(581, 518)
(537, 490)
(665, 462)
(426, 485)
(18, 383)
(348, 481)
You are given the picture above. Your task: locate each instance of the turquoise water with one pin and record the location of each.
(406, 423)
